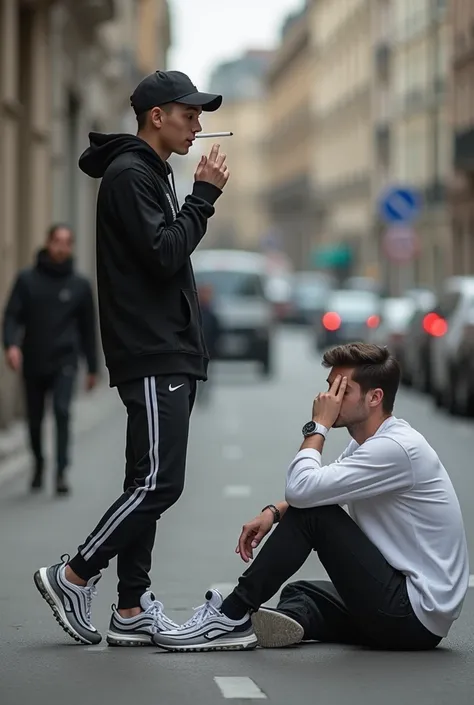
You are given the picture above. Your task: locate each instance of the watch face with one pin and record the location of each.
(309, 427)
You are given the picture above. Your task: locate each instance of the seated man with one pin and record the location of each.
(397, 561)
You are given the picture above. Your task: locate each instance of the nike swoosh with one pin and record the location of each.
(173, 389)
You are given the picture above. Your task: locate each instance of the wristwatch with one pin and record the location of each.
(312, 428)
(276, 512)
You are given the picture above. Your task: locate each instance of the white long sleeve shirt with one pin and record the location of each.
(399, 493)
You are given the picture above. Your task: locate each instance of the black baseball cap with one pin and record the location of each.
(164, 87)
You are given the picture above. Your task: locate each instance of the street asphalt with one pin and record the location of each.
(240, 447)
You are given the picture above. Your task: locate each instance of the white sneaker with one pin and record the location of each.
(138, 631)
(209, 630)
(71, 604)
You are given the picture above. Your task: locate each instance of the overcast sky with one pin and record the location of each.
(206, 32)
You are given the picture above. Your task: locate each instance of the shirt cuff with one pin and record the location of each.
(208, 192)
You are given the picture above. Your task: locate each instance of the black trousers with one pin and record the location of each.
(158, 413)
(366, 602)
(60, 386)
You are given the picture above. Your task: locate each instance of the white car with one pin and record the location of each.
(238, 282)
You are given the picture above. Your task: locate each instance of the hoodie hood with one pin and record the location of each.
(104, 148)
(53, 269)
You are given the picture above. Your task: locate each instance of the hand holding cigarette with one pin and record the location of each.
(213, 169)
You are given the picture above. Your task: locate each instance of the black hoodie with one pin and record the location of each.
(50, 315)
(149, 311)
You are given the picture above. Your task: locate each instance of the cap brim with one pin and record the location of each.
(207, 101)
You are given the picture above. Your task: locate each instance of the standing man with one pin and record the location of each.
(49, 321)
(153, 342)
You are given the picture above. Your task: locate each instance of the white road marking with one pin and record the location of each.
(471, 581)
(237, 491)
(239, 687)
(97, 648)
(232, 453)
(224, 588)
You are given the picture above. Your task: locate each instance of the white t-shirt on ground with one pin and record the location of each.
(399, 493)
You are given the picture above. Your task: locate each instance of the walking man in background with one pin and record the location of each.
(49, 322)
(153, 342)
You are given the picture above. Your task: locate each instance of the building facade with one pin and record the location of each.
(342, 104)
(412, 133)
(240, 220)
(291, 197)
(462, 103)
(66, 68)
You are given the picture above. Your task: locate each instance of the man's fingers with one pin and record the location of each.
(342, 388)
(243, 541)
(214, 153)
(220, 160)
(335, 385)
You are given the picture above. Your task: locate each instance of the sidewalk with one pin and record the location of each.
(88, 410)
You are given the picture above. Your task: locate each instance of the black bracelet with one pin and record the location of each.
(276, 512)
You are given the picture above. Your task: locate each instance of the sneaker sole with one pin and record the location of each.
(50, 597)
(276, 630)
(114, 639)
(246, 644)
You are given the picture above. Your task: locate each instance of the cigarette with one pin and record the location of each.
(214, 134)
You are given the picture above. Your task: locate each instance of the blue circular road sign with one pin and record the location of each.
(399, 205)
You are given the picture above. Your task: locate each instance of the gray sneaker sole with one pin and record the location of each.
(116, 639)
(53, 600)
(276, 630)
(245, 644)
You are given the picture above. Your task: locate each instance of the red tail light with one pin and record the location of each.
(435, 325)
(331, 320)
(373, 321)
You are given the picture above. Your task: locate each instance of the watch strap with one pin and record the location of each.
(276, 512)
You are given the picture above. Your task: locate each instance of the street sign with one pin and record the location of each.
(401, 244)
(399, 205)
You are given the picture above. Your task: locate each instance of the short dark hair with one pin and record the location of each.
(52, 230)
(374, 367)
(141, 117)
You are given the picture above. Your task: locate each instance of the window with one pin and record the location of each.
(231, 283)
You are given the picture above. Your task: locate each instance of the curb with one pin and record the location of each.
(88, 411)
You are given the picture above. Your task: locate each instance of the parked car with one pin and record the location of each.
(279, 291)
(416, 370)
(347, 317)
(461, 391)
(238, 281)
(446, 327)
(395, 315)
(309, 296)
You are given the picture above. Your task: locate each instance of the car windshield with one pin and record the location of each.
(308, 289)
(398, 311)
(353, 305)
(231, 282)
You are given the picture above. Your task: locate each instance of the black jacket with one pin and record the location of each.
(149, 311)
(50, 315)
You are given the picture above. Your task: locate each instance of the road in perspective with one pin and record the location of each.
(241, 443)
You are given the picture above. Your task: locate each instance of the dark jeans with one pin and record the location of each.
(366, 603)
(158, 413)
(60, 386)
